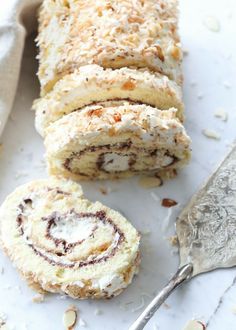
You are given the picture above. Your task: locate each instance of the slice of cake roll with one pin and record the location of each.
(62, 243)
(112, 34)
(92, 83)
(116, 139)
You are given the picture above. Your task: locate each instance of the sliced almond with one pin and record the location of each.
(38, 298)
(150, 182)
(211, 134)
(69, 318)
(168, 202)
(194, 325)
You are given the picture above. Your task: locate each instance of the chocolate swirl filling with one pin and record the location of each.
(62, 248)
(118, 150)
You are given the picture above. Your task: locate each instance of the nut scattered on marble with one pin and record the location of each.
(70, 318)
(212, 23)
(103, 190)
(3, 319)
(211, 134)
(38, 298)
(222, 114)
(150, 182)
(168, 202)
(233, 309)
(194, 325)
(173, 240)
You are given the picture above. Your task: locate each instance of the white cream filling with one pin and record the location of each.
(114, 162)
(72, 229)
(163, 161)
(109, 283)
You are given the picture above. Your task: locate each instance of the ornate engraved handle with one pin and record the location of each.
(182, 274)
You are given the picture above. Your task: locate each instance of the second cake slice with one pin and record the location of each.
(116, 139)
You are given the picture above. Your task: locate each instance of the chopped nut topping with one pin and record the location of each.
(167, 202)
(117, 117)
(95, 112)
(128, 85)
(70, 317)
(150, 182)
(160, 53)
(176, 53)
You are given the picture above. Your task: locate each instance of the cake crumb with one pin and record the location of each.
(212, 23)
(200, 96)
(145, 232)
(227, 84)
(211, 134)
(167, 306)
(20, 174)
(168, 202)
(3, 318)
(82, 323)
(222, 114)
(233, 309)
(98, 311)
(148, 182)
(194, 325)
(185, 52)
(38, 298)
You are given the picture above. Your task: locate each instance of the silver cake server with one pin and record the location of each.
(206, 231)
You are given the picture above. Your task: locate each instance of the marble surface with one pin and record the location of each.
(210, 70)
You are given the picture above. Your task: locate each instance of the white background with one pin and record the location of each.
(210, 64)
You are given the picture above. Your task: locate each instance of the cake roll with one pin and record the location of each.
(112, 34)
(92, 83)
(62, 243)
(116, 139)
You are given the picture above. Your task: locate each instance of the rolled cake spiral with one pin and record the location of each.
(116, 139)
(112, 34)
(61, 242)
(92, 83)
